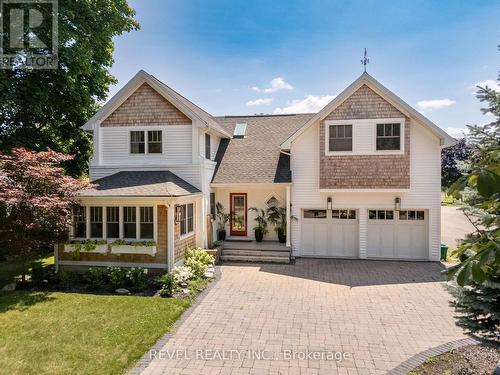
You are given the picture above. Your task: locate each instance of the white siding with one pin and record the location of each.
(424, 190)
(115, 146)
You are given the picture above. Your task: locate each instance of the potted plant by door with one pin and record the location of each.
(261, 219)
(222, 219)
(277, 217)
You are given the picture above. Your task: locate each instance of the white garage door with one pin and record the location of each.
(397, 234)
(329, 235)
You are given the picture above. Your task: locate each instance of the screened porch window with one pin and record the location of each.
(113, 222)
(129, 222)
(79, 222)
(147, 222)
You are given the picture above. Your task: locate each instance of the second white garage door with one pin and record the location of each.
(397, 234)
(329, 235)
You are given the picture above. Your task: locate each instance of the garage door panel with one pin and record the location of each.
(321, 238)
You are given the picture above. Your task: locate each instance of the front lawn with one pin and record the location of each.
(11, 270)
(63, 333)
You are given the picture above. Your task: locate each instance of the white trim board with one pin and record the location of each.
(111, 264)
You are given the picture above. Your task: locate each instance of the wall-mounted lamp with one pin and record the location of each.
(178, 213)
(397, 204)
(329, 203)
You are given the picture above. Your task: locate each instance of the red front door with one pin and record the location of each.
(238, 207)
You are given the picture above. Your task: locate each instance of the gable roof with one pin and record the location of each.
(396, 101)
(257, 157)
(140, 184)
(184, 105)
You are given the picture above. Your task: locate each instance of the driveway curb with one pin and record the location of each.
(146, 359)
(420, 358)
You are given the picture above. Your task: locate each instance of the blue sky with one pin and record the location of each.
(245, 57)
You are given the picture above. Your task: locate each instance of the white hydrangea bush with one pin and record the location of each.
(182, 274)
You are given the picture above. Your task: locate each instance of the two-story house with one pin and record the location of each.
(359, 179)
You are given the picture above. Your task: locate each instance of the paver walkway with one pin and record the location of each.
(266, 319)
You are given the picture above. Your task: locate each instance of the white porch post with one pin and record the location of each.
(170, 235)
(87, 222)
(201, 228)
(288, 209)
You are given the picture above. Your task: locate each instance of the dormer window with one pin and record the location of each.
(240, 130)
(138, 142)
(154, 142)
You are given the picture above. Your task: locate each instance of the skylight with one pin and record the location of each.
(240, 130)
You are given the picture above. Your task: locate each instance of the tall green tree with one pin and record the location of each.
(477, 278)
(46, 108)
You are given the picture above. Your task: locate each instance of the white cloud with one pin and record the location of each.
(434, 104)
(495, 85)
(278, 84)
(457, 132)
(255, 88)
(311, 103)
(260, 101)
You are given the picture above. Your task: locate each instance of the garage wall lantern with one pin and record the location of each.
(397, 204)
(329, 203)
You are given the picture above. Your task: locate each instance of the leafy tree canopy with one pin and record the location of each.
(46, 108)
(451, 157)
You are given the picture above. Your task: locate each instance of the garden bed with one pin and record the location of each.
(473, 359)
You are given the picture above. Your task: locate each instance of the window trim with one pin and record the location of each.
(330, 123)
(208, 146)
(160, 142)
(347, 123)
(186, 221)
(372, 125)
(130, 143)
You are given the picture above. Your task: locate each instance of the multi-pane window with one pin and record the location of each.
(340, 138)
(381, 214)
(137, 142)
(314, 214)
(154, 142)
(389, 136)
(113, 222)
(186, 218)
(146, 222)
(411, 215)
(79, 222)
(208, 152)
(129, 222)
(344, 214)
(96, 222)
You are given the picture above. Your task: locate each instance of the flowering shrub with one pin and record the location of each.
(167, 282)
(182, 274)
(117, 277)
(96, 277)
(137, 278)
(198, 260)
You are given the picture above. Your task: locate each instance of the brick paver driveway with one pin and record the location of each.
(377, 313)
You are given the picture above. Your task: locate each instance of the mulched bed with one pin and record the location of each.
(470, 360)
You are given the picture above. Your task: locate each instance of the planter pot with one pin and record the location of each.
(99, 249)
(130, 249)
(281, 237)
(259, 236)
(221, 235)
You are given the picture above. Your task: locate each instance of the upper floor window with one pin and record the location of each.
(154, 142)
(388, 137)
(137, 142)
(208, 153)
(340, 138)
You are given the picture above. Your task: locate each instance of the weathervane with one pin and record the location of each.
(365, 61)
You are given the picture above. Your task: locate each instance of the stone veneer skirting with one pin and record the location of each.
(365, 171)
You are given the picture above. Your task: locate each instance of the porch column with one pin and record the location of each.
(170, 235)
(288, 209)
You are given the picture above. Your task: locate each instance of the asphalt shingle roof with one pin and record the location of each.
(257, 157)
(140, 184)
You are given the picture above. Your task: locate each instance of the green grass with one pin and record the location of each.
(12, 269)
(64, 333)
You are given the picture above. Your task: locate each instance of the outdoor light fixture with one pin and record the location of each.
(397, 204)
(329, 203)
(178, 213)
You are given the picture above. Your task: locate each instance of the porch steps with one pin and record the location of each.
(267, 251)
